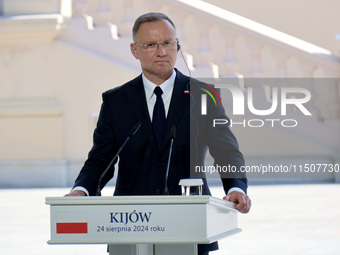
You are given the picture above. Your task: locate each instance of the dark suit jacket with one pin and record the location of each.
(142, 166)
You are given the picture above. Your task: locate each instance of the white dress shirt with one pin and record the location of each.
(167, 88)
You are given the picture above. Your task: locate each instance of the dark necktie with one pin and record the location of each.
(158, 118)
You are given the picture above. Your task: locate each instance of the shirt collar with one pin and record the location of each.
(167, 86)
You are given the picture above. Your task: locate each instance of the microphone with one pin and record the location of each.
(133, 131)
(172, 138)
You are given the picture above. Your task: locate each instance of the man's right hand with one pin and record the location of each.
(76, 193)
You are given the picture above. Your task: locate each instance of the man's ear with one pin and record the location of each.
(133, 49)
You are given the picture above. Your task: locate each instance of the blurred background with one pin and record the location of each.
(58, 56)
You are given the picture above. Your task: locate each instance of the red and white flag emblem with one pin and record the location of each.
(71, 223)
(72, 228)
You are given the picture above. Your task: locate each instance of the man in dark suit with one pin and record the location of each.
(142, 163)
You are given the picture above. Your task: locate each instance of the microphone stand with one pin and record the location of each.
(172, 138)
(131, 134)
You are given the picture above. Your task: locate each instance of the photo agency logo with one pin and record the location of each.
(257, 103)
(212, 93)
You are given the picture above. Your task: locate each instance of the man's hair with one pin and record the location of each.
(149, 17)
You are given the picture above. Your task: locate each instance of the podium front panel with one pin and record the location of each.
(128, 220)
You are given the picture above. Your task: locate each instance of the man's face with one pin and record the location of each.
(157, 65)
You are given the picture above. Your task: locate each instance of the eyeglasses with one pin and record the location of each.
(150, 47)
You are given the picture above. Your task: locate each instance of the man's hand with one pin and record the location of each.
(242, 201)
(76, 193)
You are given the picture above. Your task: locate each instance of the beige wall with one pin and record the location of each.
(29, 7)
(314, 21)
(84, 77)
(49, 93)
(49, 90)
(58, 87)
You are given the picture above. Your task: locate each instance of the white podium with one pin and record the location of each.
(143, 225)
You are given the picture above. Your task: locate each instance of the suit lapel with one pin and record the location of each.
(179, 101)
(137, 101)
